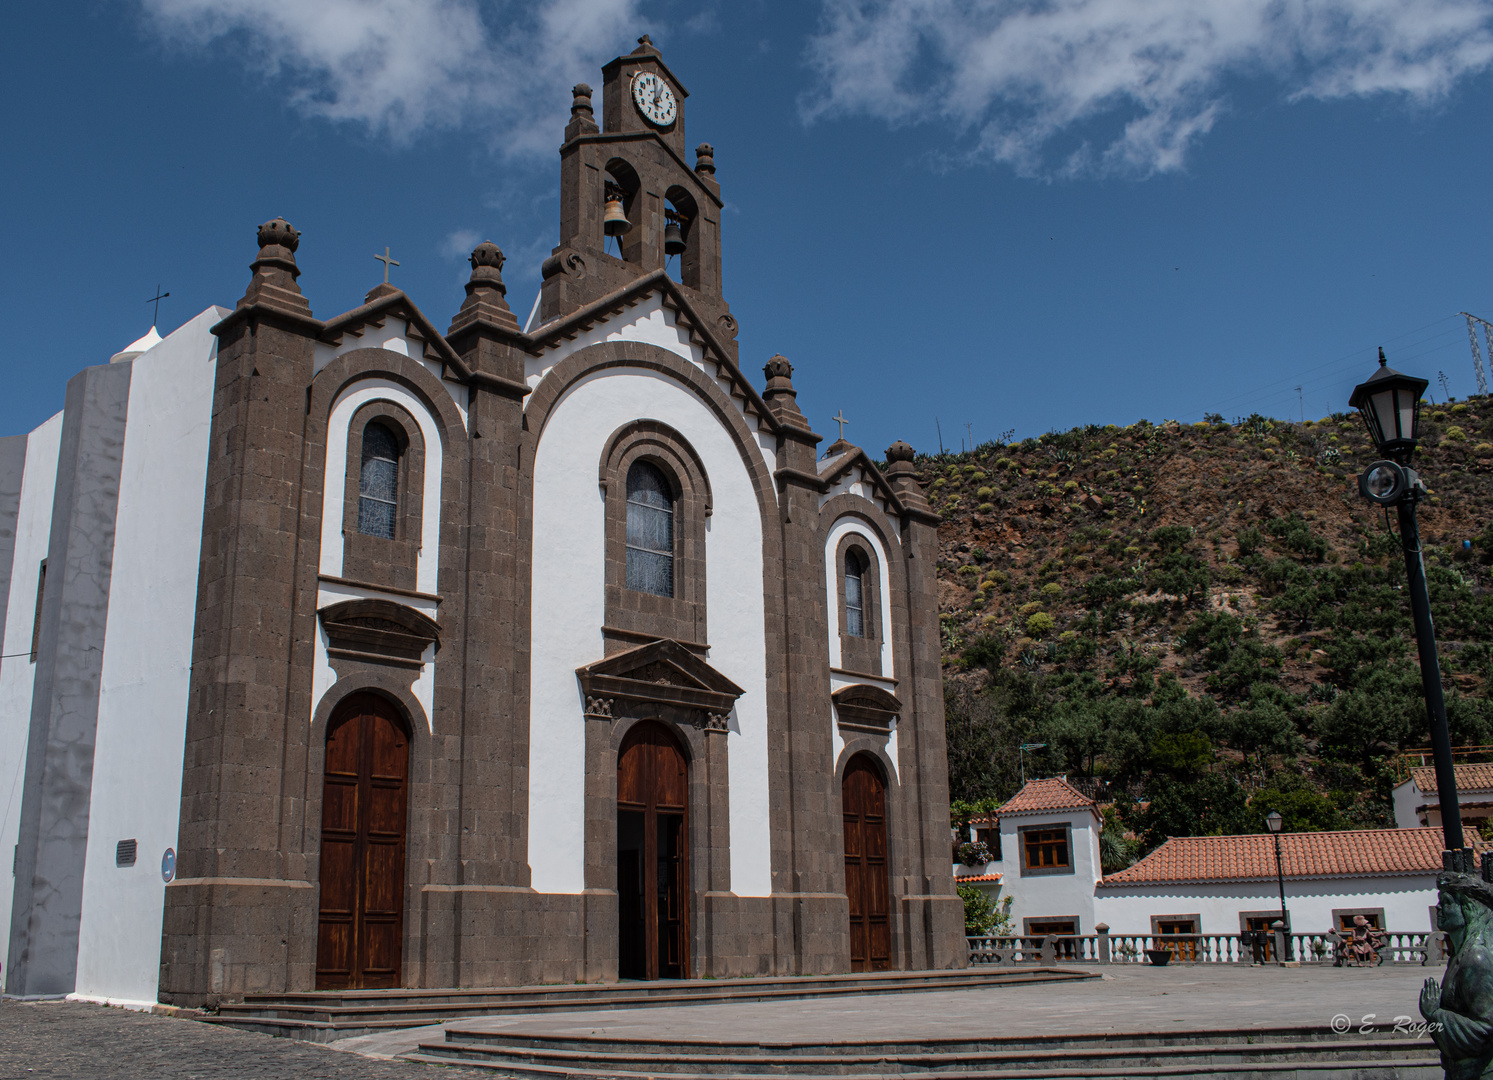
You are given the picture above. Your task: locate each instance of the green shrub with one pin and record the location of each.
(1455, 434)
(1027, 609)
(1052, 588)
(1039, 623)
(984, 493)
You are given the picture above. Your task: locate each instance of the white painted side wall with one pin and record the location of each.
(846, 526)
(569, 608)
(1406, 901)
(147, 659)
(1050, 895)
(427, 563)
(17, 672)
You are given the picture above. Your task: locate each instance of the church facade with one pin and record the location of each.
(376, 655)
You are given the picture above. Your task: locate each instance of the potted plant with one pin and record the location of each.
(1159, 957)
(973, 854)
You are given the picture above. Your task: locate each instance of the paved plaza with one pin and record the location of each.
(87, 1041)
(1126, 999)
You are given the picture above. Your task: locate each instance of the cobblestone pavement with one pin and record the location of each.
(90, 1042)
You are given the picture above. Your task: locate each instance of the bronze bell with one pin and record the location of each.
(673, 236)
(615, 222)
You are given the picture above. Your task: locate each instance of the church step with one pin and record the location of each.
(1404, 1059)
(1243, 1040)
(1278, 1054)
(331, 1015)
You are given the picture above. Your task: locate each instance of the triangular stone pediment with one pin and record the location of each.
(662, 673)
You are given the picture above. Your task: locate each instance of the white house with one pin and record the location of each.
(1046, 846)
(1417, 801)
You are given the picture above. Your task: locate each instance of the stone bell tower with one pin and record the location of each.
(634, 159)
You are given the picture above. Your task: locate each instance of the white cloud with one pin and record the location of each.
(459, 243)
(401, 67)
(1037, 84)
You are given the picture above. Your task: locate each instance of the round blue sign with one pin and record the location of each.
(168, 865)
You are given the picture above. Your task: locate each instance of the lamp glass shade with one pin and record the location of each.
(1390, 405)
(1273, 819)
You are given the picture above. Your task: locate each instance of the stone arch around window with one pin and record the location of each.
(633, 616)
(377, 558)
(860, 652)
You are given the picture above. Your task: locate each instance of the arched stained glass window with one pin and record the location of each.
(855, 610)
(650, 530)
(378, 483)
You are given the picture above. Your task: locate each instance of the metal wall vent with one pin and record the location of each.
(124, 853)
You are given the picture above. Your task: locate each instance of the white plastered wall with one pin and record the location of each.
(17, 672)
(394, 336)
(569, 608)
(1406, 901)
(846, 526)
(1036, 896)
(427, 562)
(145, 674)
(653, 323)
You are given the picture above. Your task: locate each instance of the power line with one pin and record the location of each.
(1280, 388)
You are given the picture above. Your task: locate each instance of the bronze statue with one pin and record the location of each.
(1460, 1010)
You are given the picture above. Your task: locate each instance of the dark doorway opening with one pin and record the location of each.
(652, 855)
(863, 802)
(363, 810)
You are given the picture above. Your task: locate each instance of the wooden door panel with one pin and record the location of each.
(364, 813)
(653, 855)
(863, 804)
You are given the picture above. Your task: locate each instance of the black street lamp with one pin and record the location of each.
(1390, 405)
(1273, 819)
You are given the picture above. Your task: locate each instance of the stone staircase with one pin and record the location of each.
(323, 1016)
(1266, 1054)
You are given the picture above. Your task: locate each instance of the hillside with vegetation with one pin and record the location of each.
(1203, 622)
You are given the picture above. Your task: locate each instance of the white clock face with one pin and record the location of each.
(654, 98)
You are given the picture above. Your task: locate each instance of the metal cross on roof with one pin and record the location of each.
(388, 262)
(156, 300)
(839, 418)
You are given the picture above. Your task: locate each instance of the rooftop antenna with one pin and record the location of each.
(159, 296)
(1477, 359)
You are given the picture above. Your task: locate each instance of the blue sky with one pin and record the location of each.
(1006, 214)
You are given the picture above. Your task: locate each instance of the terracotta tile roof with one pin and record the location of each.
(1037, 796)
(1469, 778)
(1347, 853)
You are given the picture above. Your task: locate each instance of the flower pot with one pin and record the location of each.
(1159, 957)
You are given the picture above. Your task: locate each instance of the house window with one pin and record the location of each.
(378, 482)
(1176, 933)
(1064, 929)
(650, 530)
(1046, 850)
(1343, 918)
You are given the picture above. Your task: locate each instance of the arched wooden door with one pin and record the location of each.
(863, 802)
(652, 855)
(363, 811)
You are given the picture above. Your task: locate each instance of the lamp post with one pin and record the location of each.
(1390, 405)
(1273, 819)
